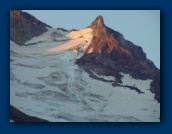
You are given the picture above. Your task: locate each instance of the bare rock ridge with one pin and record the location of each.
(98, 27)
(109, 54)
(24, 26)
(62, 29)
(113, 40)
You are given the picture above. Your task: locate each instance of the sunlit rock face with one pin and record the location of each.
(109, 49)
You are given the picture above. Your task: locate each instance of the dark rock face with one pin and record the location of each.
(112, 54)
(73, 30)
(62, 29)
(155, 87)
(24, 26)
(18, 116)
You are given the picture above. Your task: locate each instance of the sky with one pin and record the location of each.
(142, 27)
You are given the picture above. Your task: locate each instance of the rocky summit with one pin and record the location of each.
(109, 53)
(24, 26)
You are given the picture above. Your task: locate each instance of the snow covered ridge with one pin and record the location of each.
(79, 39)
(46, 83)
(49, 36)
(74, 40)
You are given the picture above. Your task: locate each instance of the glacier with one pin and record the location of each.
(45, 82)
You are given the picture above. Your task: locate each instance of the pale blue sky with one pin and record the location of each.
(142, 27)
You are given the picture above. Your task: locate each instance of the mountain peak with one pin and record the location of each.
(98, 21)
(24, 26)
(98, 26)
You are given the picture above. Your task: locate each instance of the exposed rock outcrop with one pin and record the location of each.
(73, 30)
(24, 26)
(62, 29)
(109, 54)
(18, 116)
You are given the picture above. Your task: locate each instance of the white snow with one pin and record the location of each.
(80, 38)
(44, 83)
(46, 37)
(141, 84)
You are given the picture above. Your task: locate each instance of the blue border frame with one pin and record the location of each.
(166, 22)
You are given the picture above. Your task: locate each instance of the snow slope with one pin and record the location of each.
(49, 36)
(45, 82)
(81, 38)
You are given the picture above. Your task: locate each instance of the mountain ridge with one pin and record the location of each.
(122, 55)
(24, 26)
(88, 75)
(108, 53)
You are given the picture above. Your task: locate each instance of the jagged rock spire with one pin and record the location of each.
(98, 26)
(98, 22)
(109, 51)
